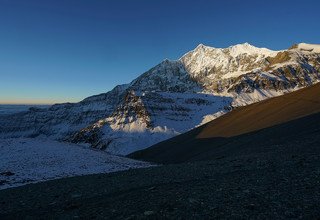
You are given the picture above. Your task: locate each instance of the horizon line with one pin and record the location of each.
(35, 103)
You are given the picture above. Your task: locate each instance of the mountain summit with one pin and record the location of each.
(172, 97)
(217, 63)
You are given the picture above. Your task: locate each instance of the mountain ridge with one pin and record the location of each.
(172, 97)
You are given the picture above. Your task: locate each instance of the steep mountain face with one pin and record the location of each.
(173, 97)
(208, 64)
(245, 68)
(260, 125)
(145, 118)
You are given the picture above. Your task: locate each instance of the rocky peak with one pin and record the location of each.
(202, 47)
(234, 51)
(132, 110)
(213, 64)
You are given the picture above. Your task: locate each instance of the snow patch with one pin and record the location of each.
(36, 160)
(247, 48)
(234, 74)
(315, 48)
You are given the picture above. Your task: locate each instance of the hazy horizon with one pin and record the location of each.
(37, 102)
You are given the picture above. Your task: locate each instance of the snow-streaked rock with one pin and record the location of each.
(150, 117)
(215, 63)
(172, 97)
(25, 160)
(60, 120)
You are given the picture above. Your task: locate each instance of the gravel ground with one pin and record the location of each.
(270, 174)
(272, 185)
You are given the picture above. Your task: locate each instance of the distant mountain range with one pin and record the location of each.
(172, 97)
(6, 109)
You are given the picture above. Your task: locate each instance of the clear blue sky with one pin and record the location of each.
(66, 50)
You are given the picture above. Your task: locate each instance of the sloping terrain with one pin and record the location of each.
(269, 173)
(236, 131)
(270, 176)
(28, 160)
(171, 98)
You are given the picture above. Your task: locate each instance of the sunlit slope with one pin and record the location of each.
(267, 126)
(264, 114)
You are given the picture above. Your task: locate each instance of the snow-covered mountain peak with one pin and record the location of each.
(200, 46)
(203, 47)
(315, 48)
(166, 60)
(249, 49)
(234, 51)
(217, 63)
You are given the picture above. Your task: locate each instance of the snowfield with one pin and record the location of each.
(24, 161)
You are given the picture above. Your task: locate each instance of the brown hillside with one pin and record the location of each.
(265, 114)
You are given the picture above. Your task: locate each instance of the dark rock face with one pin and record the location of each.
(130, 110)
(283, 78)
(281, 57)
(134, 108)
(91, 135)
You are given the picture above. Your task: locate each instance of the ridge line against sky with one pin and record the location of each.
(57, 51)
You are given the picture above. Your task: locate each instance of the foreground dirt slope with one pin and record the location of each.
(278, 180)
(238, 129)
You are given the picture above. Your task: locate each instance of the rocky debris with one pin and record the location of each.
(7, 173)
(270, 182)
(2, 182)
(148, 213)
